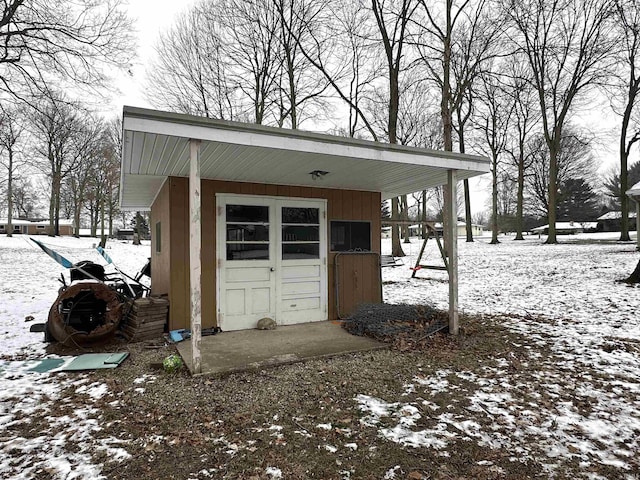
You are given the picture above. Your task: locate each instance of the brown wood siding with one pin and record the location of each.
(341, 205)
(179, 316)
(160, 260)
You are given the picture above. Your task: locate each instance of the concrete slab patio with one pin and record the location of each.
(229, 352)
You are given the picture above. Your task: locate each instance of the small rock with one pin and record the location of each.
(266, 323)
(29, 318)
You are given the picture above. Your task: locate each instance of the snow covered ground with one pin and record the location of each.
(28, 287)
(567, 393)
(580, 403)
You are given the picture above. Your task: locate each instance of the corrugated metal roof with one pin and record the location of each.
(156, 145)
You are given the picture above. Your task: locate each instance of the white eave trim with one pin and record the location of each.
(290, 140)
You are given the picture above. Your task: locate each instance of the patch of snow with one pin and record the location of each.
(391, 473)
(145, 378)
(95, 390)
(273, 472)
(324, 426)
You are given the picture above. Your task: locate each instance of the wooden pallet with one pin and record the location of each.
(147, 319)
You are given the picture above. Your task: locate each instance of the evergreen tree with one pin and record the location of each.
(612, 185)
(385, 210)
(577, 201)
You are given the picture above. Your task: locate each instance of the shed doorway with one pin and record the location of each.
(272, 260)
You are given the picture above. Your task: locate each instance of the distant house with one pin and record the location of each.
(477, 230)
(35, 227)
(612, 221)
(563, 228)
(125, 234)
(86, 232)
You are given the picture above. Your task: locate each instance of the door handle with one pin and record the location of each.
(272, 269)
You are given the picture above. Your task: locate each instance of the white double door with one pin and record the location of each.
(272, 260)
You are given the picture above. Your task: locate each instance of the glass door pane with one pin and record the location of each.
(300, 233)
(247, 236)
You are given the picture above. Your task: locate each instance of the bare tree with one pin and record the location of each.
(190, 72)
(492, 120)
(11, 129)
(574, 160)
(392, 19)
(354, 43)
(100, 185)
(300, 87)
(77, 40)
(57, 128)
(251, 29)
(113, 157)
(25, 198)
(87, 141)
(342, 53)
(568, 48)
(454, 43)
(524, 118)
(626, 94)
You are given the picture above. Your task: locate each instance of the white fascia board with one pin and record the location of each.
(293, 143)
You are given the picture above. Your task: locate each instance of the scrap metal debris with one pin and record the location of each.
(91, 309)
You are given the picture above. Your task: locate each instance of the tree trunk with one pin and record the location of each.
(494, 202)
(10, 196)
(553, 190)
(424, 214)
(405, 217)
(396, 247)
(76, 220)
(520, 201)
(55, 194)
(624, 200)
(56, 218)
(103, 237)
(624, 157)
(635, 276)
(136, 235)
(467, 211)
(467, 192)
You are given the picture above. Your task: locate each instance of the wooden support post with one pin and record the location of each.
(452, 250)
(195, 241)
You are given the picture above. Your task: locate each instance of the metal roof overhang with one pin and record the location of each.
(156, 146)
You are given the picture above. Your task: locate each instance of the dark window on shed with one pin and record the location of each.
(158, 237)
(347, 236)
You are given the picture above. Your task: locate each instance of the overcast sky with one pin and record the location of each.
(150, 18)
